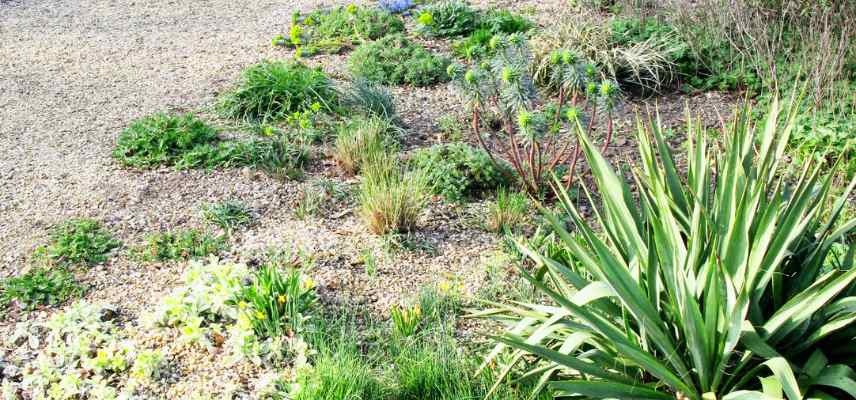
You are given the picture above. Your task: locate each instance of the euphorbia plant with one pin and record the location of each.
(716, 283)
(528, 139)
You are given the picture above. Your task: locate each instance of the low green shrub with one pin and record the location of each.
(509, 210)
(391, 198)
(78, 241)
(493, 23)
(278, 302)
(447, 19)
(337, 29)
(362, 139)
(228, 214)
(396, 60)
(458, 170)
(272, 90)
(39, 287)
(180, 245)
(162, 139)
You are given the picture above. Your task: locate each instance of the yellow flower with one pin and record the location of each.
(308, 283)
(242, 305)
(444, 286)
(260, 315)
(417, 310)
(281, 299)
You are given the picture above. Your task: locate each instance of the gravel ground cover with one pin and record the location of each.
(74, 73)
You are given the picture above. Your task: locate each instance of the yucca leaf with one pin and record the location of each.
(609, 390)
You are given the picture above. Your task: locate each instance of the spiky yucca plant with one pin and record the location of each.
(714, 284)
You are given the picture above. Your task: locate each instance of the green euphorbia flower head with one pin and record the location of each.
(608, 89)
(470, 76)
(524, 120)
(351, 8)
(556, 57)
(591, 71)
(572, 114)
(516, 39)
(495, 41)
(591, 89)
(426, 19)
(509, 75)
(569, 57)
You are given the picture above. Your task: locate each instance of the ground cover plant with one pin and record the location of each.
(493, 23)
(38, 286)
(396, 60)
(458, 171)
(162, 139)
(685, 293)
(447, 19)
(180, 245)
(272, 90)
(227, 215)
(79, 241)
(340, 28)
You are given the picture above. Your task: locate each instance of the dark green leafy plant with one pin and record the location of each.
(458, 170)
(277, 302)
(39, 286)
(162, 139)
(78, 241)
(337, 29)
(493, 23)
(273, 90)
(227, 215)
(396, 60)
(180, 245)
(710, 285)
(447, 19)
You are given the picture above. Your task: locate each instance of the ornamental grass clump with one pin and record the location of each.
(362, 139)
(273, 90)
(391, 198)
(705, 284)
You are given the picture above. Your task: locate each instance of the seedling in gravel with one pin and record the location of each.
(39, 286)
(77, 241)
(180, 245)
(272, 90)
(228, 215)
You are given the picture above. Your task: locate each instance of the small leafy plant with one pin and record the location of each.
(391, 198)
(494, 23)
(78, 242)
(162, 139)
(447, 19)
(180, 245)
(396, 60)
(273, 90)
(458, 170)
(228, 215)
(277, 302)
(509, 210)
(39, 287)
